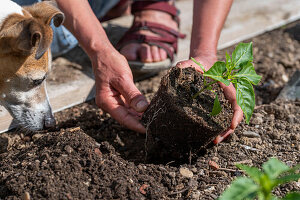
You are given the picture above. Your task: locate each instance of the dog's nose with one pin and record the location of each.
(49, 121)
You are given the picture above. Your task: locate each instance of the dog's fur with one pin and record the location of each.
(25, 59)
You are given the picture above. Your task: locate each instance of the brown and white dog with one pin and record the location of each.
(25, 59)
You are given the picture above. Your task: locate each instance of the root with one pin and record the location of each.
(149, 123)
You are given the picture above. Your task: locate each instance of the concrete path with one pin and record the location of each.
(247, 19)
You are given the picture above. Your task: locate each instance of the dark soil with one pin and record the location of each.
(90, 156)
(178, 124)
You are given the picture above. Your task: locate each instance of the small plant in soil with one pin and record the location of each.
(261, 183)
(189, 109)
(238, 70)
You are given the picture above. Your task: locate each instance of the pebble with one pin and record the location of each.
(212, 188)
(201, 172)
(26, 196)
(285, 78)
(257, 120)
(251, 134)
(185, 172)
(194, 170)
(98, 152)
(97, 144)
(291, 119)
(172, 174)
(119, 141)
(69, 149)
(298, 184)
(37, 136)
(289, 163)
(280, 126)
(249, 148)
(196, 195)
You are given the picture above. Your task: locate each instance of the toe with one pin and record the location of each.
(163, 54)
(155, 54)
(145, 53)
(130, 51)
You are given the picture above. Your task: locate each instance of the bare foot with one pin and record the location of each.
(144, 52)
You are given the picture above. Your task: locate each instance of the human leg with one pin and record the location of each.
(146, 46)
(63, 40)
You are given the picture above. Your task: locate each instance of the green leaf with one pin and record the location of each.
(195, 61)
(216, 72)
(288, 178)
(249, 73)
(245, 97)
(292, 196)
(274, 167)
(241, 188)
(242, 54)
(253, 172)
(217, 107)
(228, 61)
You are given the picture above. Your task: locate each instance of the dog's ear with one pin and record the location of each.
(24, 36)
(32, 32)
(46, 11)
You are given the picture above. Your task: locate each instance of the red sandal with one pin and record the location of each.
(166, 40)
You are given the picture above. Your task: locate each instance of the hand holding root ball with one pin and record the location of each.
(237, 70)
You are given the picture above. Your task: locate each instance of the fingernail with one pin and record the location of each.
(218, 139)
(141, 128)
(141, 105)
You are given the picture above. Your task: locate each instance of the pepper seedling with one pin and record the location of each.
(260, 183)
(238, 70)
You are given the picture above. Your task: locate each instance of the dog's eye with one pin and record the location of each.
(38, 81)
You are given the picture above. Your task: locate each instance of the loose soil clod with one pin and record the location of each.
(177, 121)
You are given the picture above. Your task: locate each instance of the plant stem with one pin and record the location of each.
(204, 87)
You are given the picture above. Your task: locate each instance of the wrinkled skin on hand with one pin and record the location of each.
(116, 92)
(207, 60)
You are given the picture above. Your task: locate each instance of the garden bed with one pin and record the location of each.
(90, 156)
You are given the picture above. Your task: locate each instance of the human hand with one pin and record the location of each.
(207, 60)
(115, 90)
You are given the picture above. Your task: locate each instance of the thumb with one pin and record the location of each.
(132, 95)
(189, 63)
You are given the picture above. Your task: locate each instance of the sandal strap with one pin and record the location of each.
(152, 25)
(167, 38)
(163, 6)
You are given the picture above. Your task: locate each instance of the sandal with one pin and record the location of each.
(166, 40)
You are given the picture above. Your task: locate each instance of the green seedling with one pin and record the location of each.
(260, 183)
(238, 70)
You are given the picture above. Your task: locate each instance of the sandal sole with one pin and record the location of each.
(143, 71)
(140, 67)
